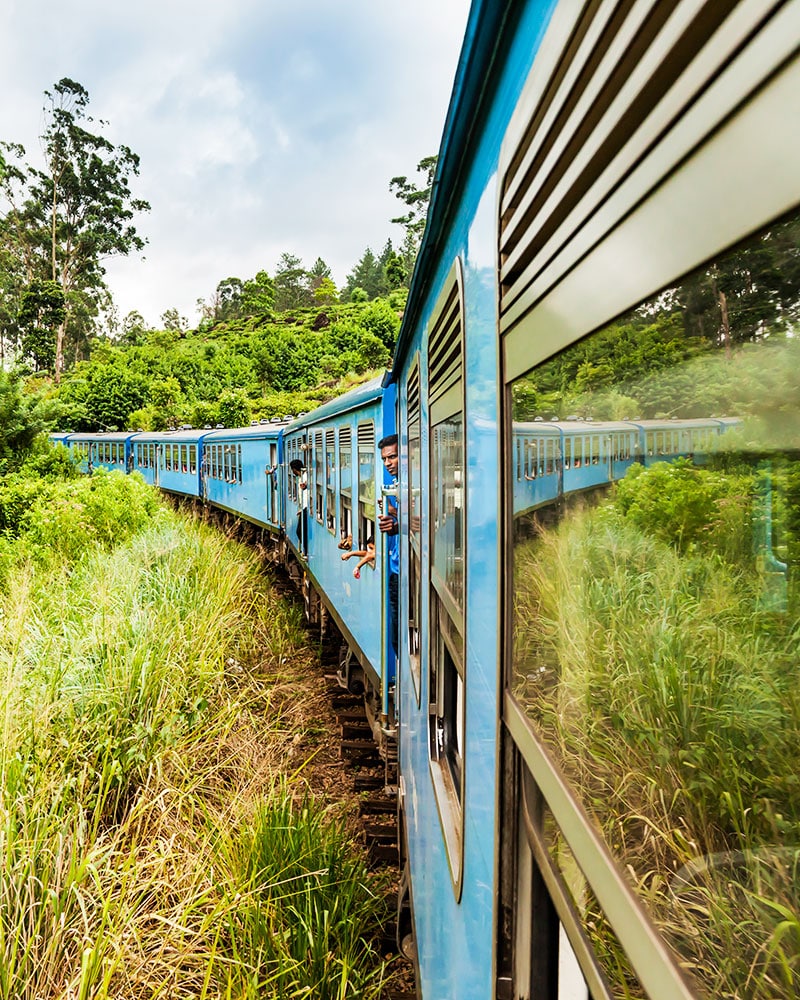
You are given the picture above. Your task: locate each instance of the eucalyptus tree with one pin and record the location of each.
(63, 221)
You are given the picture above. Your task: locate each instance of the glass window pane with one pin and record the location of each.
(656, 599)
(447, 456)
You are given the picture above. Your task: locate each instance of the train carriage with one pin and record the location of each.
(595, 701)
(110, 450)
(663, 441)
(337, 445)
(594, 156)
(241, 472)
(171, 460)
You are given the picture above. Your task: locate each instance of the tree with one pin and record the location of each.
(173, 321)
(20, 421)
(258, 295)
(325, 292)
(291, 283)
(318, 273)
(395, 271)
(41, 312)
(228, 300)
(367, 274)
(83, 199)
(382, 321)
(134, 328)
(234, 408)
(416, 199)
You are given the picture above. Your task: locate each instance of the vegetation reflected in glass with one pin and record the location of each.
(656, 603)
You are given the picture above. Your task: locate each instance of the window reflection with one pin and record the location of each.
(655, 477)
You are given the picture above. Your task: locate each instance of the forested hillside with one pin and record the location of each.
(228, 373)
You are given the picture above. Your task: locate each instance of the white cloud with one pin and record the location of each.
(262, 127)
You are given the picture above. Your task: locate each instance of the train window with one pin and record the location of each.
(330, 480)
(184, 459)
(319, 476)
(447, 590)
(366, 484)
(239, 460)
(346, 484)
(413, 505)
(193, 459)
(651, 676)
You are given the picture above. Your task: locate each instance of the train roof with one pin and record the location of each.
(352, 400)
(185, 434)
(270, 429)
(100, 435)
(574, 426)
(685, 422)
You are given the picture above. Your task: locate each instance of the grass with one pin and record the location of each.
(154, 785)
(672, 705)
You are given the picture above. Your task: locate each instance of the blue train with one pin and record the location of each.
(605, 166)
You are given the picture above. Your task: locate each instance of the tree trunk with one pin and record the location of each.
(724, 324)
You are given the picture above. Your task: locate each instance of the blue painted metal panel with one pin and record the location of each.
(254, 490)
(455, 938)
(101, 450)
(165, 459)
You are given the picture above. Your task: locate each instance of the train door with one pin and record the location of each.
(272, 483)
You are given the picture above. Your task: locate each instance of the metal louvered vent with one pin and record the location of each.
(412, 394)
(604, 121)
(445, 349)
(344, 437)
(444, 346)
(366, 435)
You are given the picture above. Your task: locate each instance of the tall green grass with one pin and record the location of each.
(672, 703)
(143, 729)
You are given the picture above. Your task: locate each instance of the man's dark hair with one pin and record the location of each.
(296, 465)
(386, 441)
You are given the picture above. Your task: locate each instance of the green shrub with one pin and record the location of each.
(688, 507)
(106, 508)
(18, 495)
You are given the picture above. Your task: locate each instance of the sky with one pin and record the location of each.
(263, 126)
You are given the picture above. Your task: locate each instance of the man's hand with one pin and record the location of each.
(388, 523)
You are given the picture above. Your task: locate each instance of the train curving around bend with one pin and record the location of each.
(594, 703)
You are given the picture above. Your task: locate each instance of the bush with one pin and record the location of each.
(106, 508)
(687, 507)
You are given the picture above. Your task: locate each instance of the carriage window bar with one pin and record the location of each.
(346, 486)
(366, 485)
(330, 480)
(652, 672)
(319, 476)
(446, 589)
